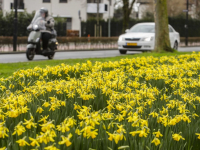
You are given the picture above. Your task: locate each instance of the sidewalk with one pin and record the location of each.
(71, 48)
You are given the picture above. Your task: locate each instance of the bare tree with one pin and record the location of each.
(162, 42)
(174, 7)
(197, 9)
(127, 9)
(0, 4)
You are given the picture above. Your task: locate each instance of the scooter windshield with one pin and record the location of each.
(37, 20)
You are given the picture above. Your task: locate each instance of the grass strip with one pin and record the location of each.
(7, 69)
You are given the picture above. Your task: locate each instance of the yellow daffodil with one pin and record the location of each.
(3, 148)
(47, 126)
(177, 137)
(30, 123)
(33, 142)
(158, 134)
(22, 142)
(52, 147)
(19, 129)
(154, 114)
(198, 135)
(44, 119)
(66, 140)
(3, 130)
(46, 104)
(40, 110)
(156, 141)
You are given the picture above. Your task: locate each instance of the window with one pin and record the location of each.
(63, 1)
(94, 1)
(106, 7)
(46, 1)
(20, 5)
(69, 24)
(143, 29)
(170, 29)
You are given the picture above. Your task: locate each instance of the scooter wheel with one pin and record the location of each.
(30, 53)
(51, 56)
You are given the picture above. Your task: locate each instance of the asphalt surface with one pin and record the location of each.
(21, 57)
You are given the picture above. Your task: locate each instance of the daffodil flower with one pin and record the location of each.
(66, 140)
(156, 141)
(177, 137)
(22, 142)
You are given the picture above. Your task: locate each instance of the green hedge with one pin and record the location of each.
(24, 19)
(6, 23)
(193, 26)
(177, 23)
(116, 26)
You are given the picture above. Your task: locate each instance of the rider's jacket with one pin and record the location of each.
(49, 23)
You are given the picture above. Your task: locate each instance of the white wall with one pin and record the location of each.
(106, 14)
(69, 9)
(92, 8)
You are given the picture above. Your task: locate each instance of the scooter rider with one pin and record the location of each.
(47, 34)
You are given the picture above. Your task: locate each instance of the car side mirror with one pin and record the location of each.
(127, 30)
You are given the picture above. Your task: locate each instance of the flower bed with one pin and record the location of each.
(139, 103)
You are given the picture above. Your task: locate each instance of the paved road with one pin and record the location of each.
(11, 58)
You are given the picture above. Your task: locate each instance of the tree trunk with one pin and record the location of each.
(162, 42)
(126, 15)
(127, 8)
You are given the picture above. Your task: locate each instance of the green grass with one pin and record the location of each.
(7, 69)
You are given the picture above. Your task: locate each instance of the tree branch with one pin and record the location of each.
(131, 6)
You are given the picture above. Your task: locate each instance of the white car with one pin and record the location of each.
(141, 37)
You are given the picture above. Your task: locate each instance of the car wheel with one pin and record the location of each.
(122, 51)
(175, 45)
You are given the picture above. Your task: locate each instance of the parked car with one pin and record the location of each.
(141, 37)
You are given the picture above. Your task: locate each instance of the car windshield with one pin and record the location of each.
(143, 28)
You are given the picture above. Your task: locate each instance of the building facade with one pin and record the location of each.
(72, 10)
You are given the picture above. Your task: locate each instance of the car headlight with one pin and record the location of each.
(147, 39)
(120, 38)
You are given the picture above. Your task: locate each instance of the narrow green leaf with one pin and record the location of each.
(123, 147)
(110, 148)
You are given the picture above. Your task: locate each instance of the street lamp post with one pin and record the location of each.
(79, 14)
(97, 30)
(15, 27)
(186, 25)
(109, 18)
